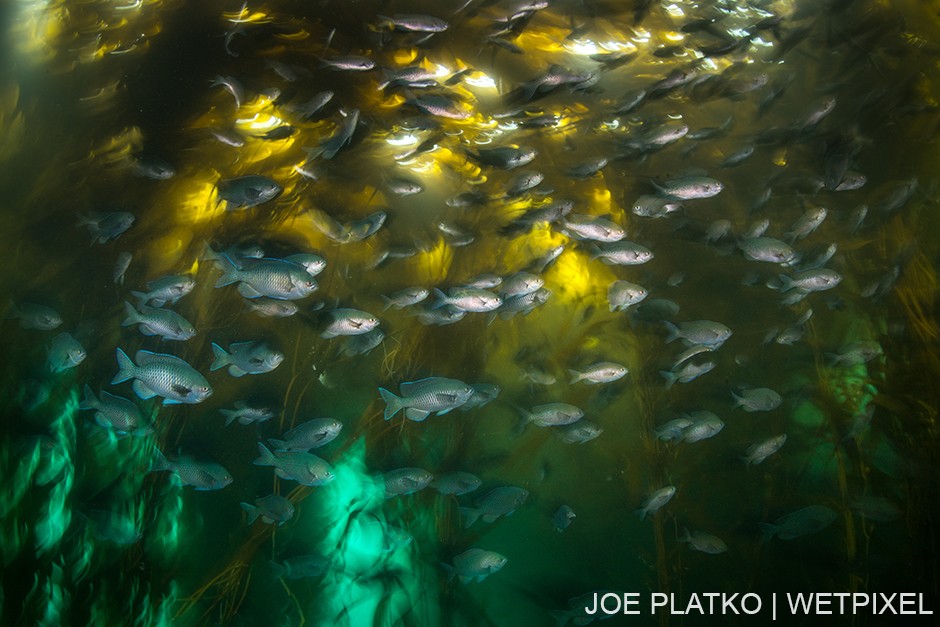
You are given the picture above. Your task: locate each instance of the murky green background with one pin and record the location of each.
(86, 85)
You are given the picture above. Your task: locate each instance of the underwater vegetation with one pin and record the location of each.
(414, 313)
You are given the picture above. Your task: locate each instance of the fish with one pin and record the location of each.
(152, 167)
(169, 289)
(251, 357)
(420, 398)
(688, 373)
(202, 475)
(475, 565)
(349, 322)
(555, 76)
(300, 466)
(308, 109)
(759, 451)
(599, 372)
(586, 227)
(271, 509)
(876, 508)
(229, 137)
(579, 432)
(703, 542)
(405, 297)
(504, 157)
(623, 294)
(654, 206)
(523, 182)
(402, 481)
(246, 414)
(348, 63)
(502, 501)
(440, 106)
(855, 353)
(704, 425)
(802, 522)
(456, 483)
(247, 191)
(363, 344)
(757, 399)
(120, 267)
(467, 299)
(116, 413)
(232, 86)
(401, 186)
(551, 415)
(623, 253)
(690, 187)
(562, 518)
(767, 249)
(483, 393)
(588, 168)
(158, 374)
(34, 316)
(815, 280)
(168, 324)
(309, 435)
(301, 566)
(672, 430)
(806, 223)
(64, 352)
(104, 227)
(121, 529)
(655, 501)
(343, 135)
(274, 278)
(414, 23)
(698, 332)
(272, 307)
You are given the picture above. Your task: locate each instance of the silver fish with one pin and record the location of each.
(552, 415)
(475, 565)
(245, 414)
(120, 267)
(623, 294)
(252, 357)
(64, 352)
(497, 502)
(704, 332)
(403, 481)
(106, 226)
(704, 425)
(157, 374)
(420, 398)
(199, 474)
(273, 508)
(802, 522)
(308, 435)
(274, 278)
(579, 432)
(115, 413)
(757, 399)
(405, 297)
(468, 299)
(33, 316)
(168, 289)
(300, 466)
(349, 322)
(415, 23)
(247, 191)
(655, 501)
(562, 518)
(623, 253)
(759, 451)
(155, 321)
(586, 227)
(456, 483)
(704, 542)
(690, 187)
(767, 249)
(600, 372)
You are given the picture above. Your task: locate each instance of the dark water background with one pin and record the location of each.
(85, 86)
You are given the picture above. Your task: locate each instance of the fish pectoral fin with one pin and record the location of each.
(235, 371)
(182, 390)
(415, 414)
(142, 391)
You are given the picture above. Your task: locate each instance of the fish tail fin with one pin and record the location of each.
(142, 297)
(575, 376)
(133, 317)
(279, 569)
(160, 462)
(90, 401)
(832, 360)
(670, 377)
(253, 512)
(266, 458)
(685, 536)
(470, 516)
(450, 571)
(230, 416)
(279, 445)
(229, 271)
(221, 357)
(673, 331)
(441, 299)
(786, 282)
(640, 513)
(126, 368)
(386, 300)
(393, 403)
(767, 531)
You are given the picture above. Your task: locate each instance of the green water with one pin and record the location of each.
(85, 86)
